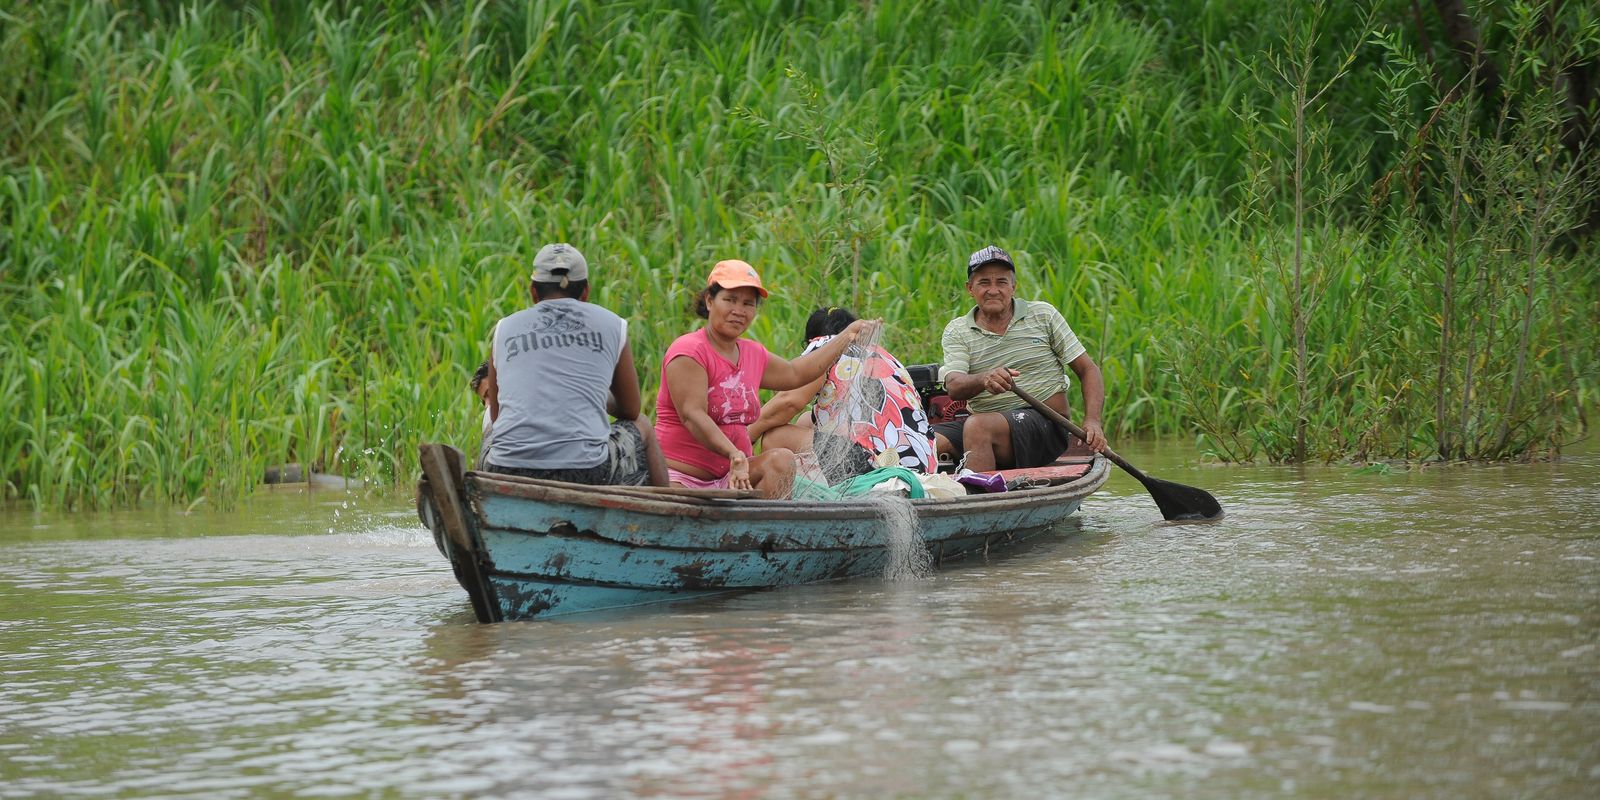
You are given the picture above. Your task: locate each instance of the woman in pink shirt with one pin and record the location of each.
(709, 380)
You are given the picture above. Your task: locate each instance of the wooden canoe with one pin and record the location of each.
(526, 548)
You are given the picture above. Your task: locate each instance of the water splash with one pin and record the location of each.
(909, 559)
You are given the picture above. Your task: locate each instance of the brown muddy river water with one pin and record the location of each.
(1432, 634)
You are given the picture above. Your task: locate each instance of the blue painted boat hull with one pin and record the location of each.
(527, 548)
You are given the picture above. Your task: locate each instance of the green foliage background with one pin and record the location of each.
(238, 236)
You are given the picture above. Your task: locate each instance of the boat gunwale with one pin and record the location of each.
(480, 484)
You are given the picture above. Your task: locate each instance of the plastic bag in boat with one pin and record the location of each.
(942, 486)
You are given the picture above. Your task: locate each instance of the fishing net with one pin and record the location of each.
(849, 470)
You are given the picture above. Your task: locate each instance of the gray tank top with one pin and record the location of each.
(553, 364)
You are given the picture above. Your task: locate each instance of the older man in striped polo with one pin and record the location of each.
(1001, 342)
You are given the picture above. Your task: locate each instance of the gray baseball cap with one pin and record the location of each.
(558, 262)
(989, 255)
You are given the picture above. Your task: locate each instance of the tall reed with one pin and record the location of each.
(232, 236)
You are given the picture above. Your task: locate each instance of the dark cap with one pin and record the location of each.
(989, 255)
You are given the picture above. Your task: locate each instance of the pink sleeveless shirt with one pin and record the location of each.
(731, 400)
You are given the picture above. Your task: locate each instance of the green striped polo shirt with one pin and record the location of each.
(1038, 344)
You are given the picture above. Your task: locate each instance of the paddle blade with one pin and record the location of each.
(1179, 502)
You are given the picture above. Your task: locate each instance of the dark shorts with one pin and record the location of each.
(625, 463)
(1035, 439)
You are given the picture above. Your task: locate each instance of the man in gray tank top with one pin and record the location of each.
(557, 370)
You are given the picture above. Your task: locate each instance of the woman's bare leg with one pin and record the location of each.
(790, 437)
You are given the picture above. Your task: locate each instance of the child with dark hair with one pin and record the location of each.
(480, 387)
(867, 398)
(477, 382)
(827, 322)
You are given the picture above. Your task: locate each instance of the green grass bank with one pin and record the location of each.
(233, 237)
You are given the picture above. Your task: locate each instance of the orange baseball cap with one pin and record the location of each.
(734, 273)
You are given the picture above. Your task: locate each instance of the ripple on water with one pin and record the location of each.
(1419, 634)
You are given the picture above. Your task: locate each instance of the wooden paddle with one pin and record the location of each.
(1176, 501)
